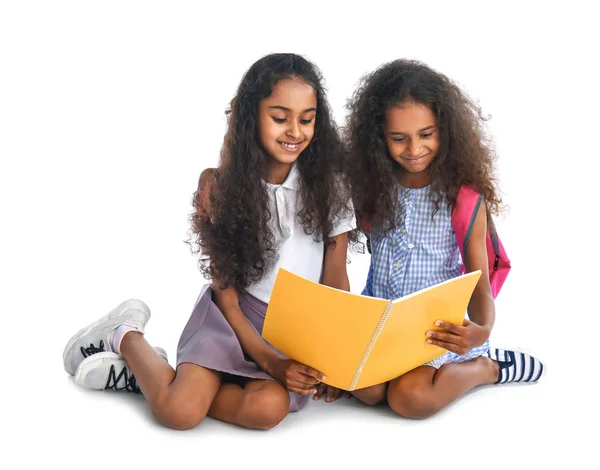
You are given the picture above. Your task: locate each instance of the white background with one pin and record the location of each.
(110, 110)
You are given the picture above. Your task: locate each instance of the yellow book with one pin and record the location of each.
(358, 341)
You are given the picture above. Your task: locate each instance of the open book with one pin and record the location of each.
(359, 341)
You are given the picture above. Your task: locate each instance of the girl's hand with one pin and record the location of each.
(295, 377)
(458, 339)
(331, 393)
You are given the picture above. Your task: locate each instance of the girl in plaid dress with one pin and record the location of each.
(415, 138)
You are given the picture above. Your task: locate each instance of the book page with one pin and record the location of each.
(401, 345)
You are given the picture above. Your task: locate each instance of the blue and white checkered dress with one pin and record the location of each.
(421, 251)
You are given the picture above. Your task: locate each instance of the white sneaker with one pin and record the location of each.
(109, 371)
(94, 338)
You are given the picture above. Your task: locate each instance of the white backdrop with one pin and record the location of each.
(110, 110)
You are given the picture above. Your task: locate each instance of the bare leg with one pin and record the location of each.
(179, 400)
(425, 390)
(372, 395)
(261, 404)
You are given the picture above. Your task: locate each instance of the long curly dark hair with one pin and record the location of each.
(465, 154)
(238, 246)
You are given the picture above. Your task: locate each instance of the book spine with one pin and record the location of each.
(369, 348)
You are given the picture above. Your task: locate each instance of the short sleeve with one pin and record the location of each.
(343, 223)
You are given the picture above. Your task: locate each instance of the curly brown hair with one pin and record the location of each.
(465, 154)
(238, 246)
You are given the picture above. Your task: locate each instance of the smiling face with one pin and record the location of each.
(286, 120)
(412, 139)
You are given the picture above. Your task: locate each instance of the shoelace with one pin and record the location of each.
(125, 378)
(92, 349)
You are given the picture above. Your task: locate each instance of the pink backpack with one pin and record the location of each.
(468, 202)
(465, 211)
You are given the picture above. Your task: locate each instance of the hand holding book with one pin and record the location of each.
(359, 341)
(295, 377)
(458, 339)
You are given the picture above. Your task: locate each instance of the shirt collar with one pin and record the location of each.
(293, 179)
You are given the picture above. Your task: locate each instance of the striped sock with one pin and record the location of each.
(516, 366)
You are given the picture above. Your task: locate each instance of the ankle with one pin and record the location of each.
(128, 337)
(117, 336)
(494, 368)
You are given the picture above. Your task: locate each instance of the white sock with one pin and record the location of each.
(115, 336)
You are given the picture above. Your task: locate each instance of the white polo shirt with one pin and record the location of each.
(298, 252)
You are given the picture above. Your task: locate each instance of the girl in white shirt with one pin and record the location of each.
(275, 201)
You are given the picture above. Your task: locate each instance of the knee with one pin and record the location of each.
(371, 395)
(267, 408)
(178, 414)
(411, 400)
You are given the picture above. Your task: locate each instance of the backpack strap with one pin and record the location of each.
(464, 214)
(471, 223)
(468, 203)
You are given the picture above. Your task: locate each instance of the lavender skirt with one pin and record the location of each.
(209, 341)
